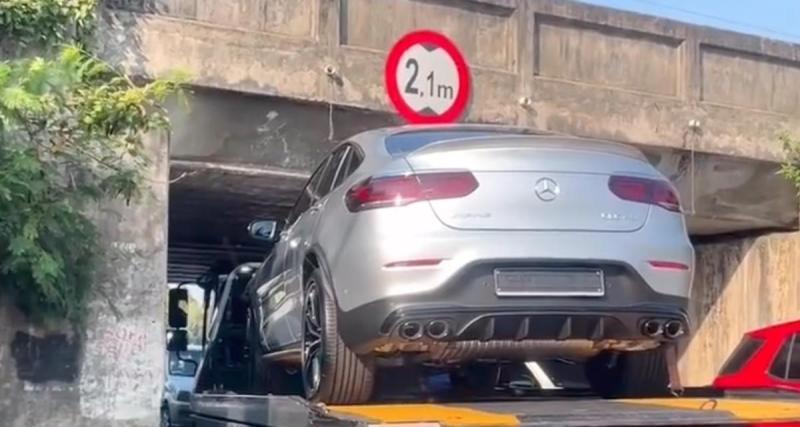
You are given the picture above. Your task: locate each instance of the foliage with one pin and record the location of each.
(791, 165)
(70, 136)
(46, 22)
(195, 321)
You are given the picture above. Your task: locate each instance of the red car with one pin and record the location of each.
(766, 359)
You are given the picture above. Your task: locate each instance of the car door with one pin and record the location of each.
(335, 217)
(272, 292)
(300, 239)
(784, 372)
(282, 295)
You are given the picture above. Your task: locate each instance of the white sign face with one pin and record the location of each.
(428, 80)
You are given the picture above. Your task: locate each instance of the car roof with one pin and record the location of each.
(380, 134)
(792, 326)
(373, 142)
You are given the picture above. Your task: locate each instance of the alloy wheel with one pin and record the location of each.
(312, 340)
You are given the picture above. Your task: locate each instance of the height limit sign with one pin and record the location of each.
(427, 78)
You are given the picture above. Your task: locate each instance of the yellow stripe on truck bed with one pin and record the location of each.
(748, 410)
(449, 416)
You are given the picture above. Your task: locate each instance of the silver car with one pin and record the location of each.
(446, 245)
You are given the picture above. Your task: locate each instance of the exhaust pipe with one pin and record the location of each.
(673, 329)
(652, 328)
(437, 329)
(411, 330)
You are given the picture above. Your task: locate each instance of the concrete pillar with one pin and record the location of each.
(111, 374)
(740, 285)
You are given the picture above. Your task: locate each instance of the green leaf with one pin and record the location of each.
(19, 246)
(71, 133)
(17, 98)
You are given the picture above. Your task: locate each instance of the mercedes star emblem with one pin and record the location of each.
(546, 189)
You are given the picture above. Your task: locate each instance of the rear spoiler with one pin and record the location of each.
(540, 141)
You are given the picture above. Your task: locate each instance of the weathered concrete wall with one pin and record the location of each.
(740, 285)
(238, 156)
(113, 373)
(238, 128)
(588, 70)
(276, 137)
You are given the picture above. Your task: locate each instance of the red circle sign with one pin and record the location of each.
(427, 78)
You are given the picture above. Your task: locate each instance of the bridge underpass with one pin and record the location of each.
(556, 65)
(237, 157)
(265, 110)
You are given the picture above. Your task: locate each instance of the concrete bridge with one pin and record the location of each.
(264, 111)
(265, 105)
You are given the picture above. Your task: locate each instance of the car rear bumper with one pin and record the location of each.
(376, 259)
(471, 311)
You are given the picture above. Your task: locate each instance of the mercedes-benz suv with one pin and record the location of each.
(448, 244)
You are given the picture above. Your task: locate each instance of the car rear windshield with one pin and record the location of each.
(741, 355)
(404, 143)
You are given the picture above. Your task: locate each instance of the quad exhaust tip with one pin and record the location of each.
(411, 330)
(652, 328)
(673, 329)
(670, 329)
(437, 329)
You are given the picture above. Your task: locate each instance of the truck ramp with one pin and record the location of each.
(283, 411)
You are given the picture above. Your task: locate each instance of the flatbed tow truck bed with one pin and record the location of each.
(291, 411)
(567, 407)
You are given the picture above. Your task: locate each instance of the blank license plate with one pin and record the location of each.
(547, 282)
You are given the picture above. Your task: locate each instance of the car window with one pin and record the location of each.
(793, 369)
(211, 314)
(326, 182)
(741, 355)
(403, 143)
(351, 161)
(307, 196)
(178, 367)
(780, 366)
(341, 174)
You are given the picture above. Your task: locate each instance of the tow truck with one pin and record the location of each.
(226, 394)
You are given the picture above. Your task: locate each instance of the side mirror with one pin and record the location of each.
(182, 367)
(177, 315)
(263, 230)
(177, 340)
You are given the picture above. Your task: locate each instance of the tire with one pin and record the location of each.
(165, 421)
(633, 374)
(331, 372)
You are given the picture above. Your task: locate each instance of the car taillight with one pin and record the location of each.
(644, 190)
(402, 190)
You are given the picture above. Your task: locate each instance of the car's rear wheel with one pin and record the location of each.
(331, 372)
(629, 374)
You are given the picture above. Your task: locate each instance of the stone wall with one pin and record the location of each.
(111, 374)
(740, 285)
